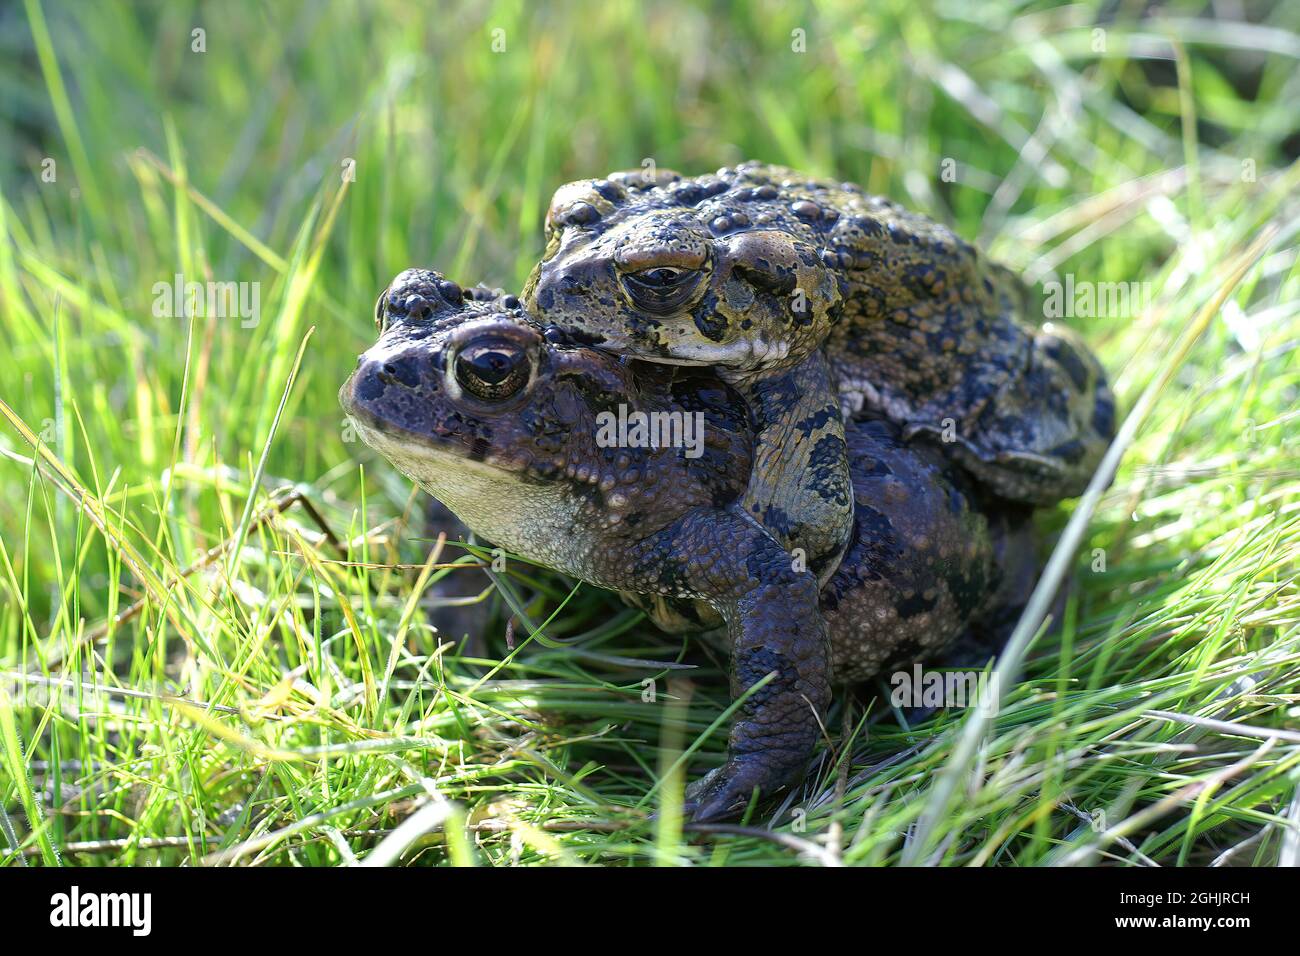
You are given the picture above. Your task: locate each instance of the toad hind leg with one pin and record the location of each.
(773, 627)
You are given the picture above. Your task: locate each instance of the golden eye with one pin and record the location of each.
(493, 371)
(664, 277)
(660, 289)
(379, 311)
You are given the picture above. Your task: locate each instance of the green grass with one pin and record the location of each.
(289, 701)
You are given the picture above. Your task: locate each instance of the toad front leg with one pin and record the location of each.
(774, 628)
(799, 488)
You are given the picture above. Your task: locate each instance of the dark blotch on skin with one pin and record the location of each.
(918, 603)
(1103, 416)
(1070, 361)
(828, 479)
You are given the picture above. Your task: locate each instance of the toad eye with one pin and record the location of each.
(379, 311)
(664, 277)
(493, 371)
(660, 289)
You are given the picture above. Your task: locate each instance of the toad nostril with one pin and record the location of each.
(418, 307)
(403, 370)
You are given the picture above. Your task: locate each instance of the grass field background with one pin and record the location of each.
(194, 671)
